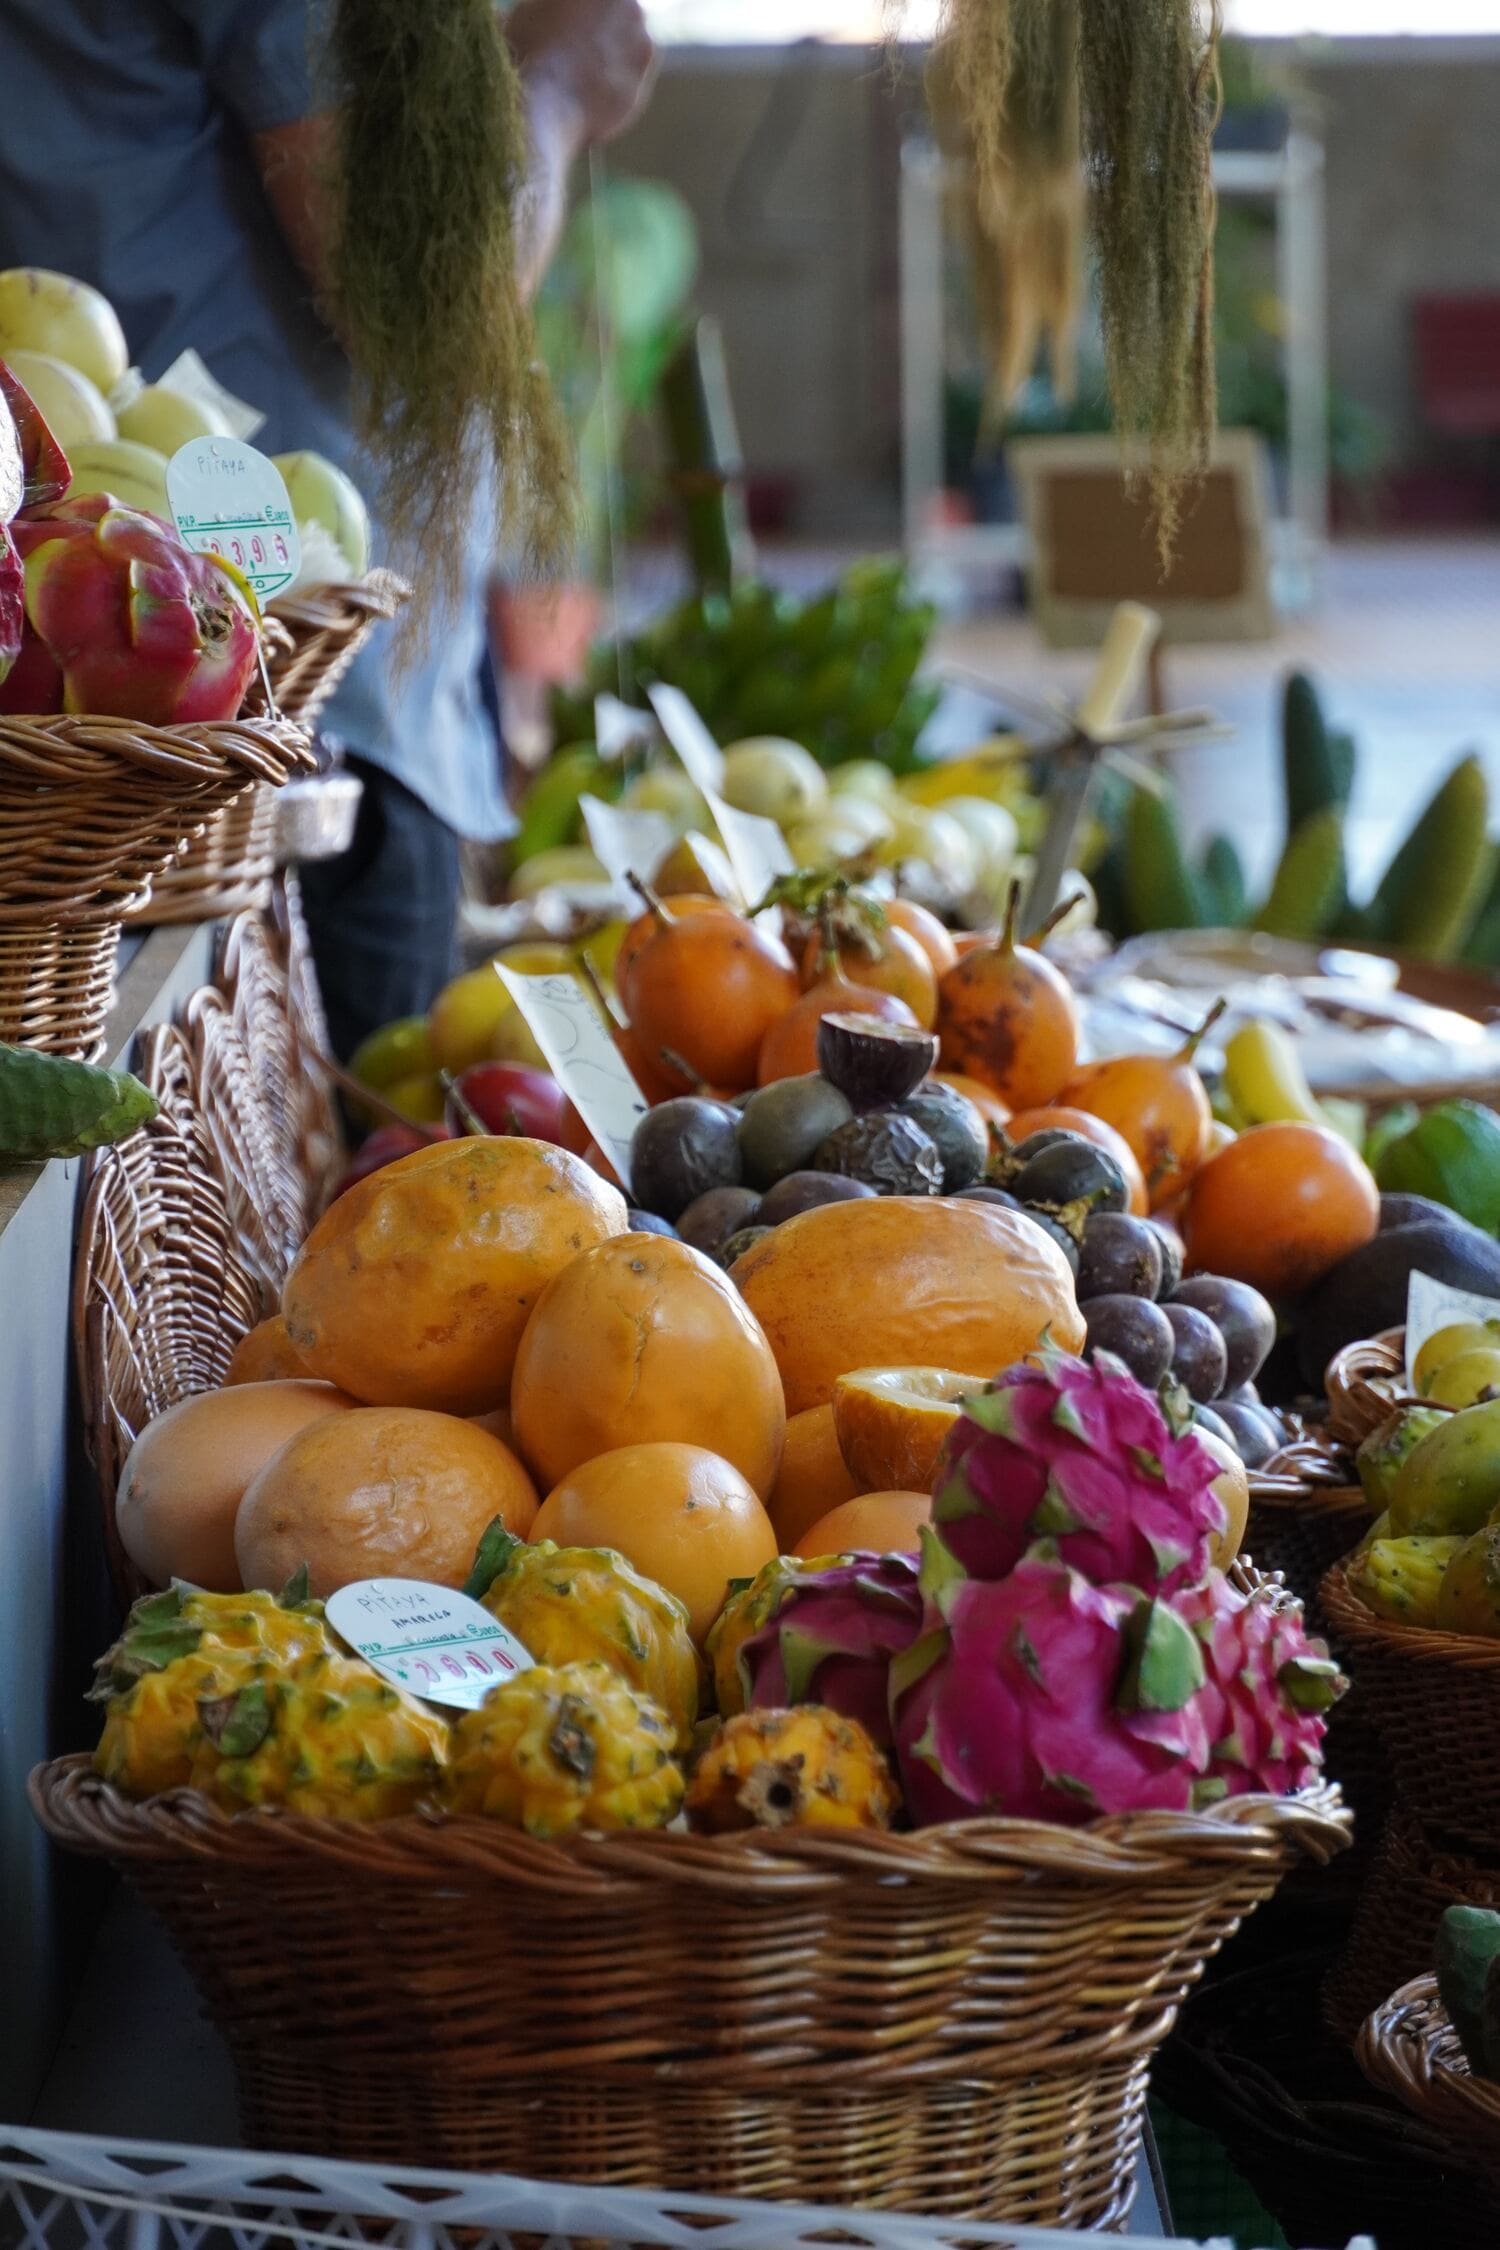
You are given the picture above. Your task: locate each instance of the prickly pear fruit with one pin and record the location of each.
(1382, 1454)
(1467, 1948)
(1469, 1597)
(1450, 1480)
(1400, 1578)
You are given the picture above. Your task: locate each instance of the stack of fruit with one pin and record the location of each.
(1067, 1647)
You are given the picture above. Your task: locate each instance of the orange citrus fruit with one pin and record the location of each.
(877, 1523)
(813, 1477)
(264, 1354)
(891, 1423)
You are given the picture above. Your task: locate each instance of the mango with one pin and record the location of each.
(1469, 1597)
(1451, 1480)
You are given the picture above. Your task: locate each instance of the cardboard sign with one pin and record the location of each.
(1431, 1305)
(701, 756)
(618, 728)
(427, 1639)
(227, 499)
(582, 1057)
(757, 850)
(626, 842)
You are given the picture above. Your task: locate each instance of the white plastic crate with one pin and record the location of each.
(73, 2191)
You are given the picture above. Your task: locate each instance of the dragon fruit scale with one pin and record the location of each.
(1044, 1697)
(831, 1638)
(135, 623)
(1081, 1456)
(1267, 1688)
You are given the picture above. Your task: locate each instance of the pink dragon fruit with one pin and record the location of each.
(831, 1637)
(44, 465)
(1047, 1698)
(135, 624)
(1267, 1686)
(1080, 1455)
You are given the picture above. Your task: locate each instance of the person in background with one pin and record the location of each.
(173, 153)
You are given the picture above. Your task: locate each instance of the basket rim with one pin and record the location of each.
(78, 1808)
(264, 749)
(1401, 2049)
(1476, 1652)
(376, 596)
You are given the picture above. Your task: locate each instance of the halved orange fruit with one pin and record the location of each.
(891, 1423)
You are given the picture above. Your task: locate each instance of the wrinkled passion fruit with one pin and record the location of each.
(962, 1137)
(797, 1192)
(1071, 1171)
(871, 1061)
(888, 1151)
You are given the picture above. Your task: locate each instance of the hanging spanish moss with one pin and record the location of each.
(1147, 102)
(450, 392)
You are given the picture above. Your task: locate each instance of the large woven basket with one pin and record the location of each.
(1410, 2049)
(1414, 1878)
(311, 641)
(1366, 1382)
(1305, 1513)
(265, 971)
(1435, 1700)
(958, 2021)
(90, 811)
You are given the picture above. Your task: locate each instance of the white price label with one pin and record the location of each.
(702, 759)
(582, 1057)
(626, 842)
(618, 728)
(1431, 1305)
(758, 852)
(229, 500)
(427, 1639)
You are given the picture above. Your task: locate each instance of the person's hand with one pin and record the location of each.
(594, 56)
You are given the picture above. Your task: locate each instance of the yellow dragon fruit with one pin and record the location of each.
(259, 1627)
(808, 1768)
(1401, 1578)
(564, 1747)
(332, 1740)
(153, 1730)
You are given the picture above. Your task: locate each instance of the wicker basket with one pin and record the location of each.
(311, 641)
(1305, 1514)
(266, 1192)
(1410, 2049)
(1414, 1878)
(252, 973)
(959, 2021)
(1366, 1383)
(90, 811)
(1435, 1699)
(321, 1148)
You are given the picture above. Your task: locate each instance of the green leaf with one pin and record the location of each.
(492, 1558)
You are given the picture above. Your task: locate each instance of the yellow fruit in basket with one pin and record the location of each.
(1467, 1380)
(332, 1741)
(133, 474)
(417, 1282)
(166, 419)
(564, 866)
(559, 1749)
(322, 494)
(474, 1019)
(152, 1732)
(187, 1472)
(265, 1354)
(74, 409)
(1232, 1485)
(775, 778)
(421, 1099)
(398, 1050)
(42, 311)
(1447, 1344)
(892, 1421)
(1402, 1578)
(1469, 1597)
(807, 1768)
(398, 1493)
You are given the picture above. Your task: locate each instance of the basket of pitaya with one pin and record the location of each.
(125, 659)
(902, 1927)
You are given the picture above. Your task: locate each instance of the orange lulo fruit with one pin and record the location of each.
(414, 1287)
(886, 959)
(933, 936)
(813, 1477)
(876, 1523)
(1007, 1017)
(899, 1281)
(790, 1047)
(1025, 1122)
(652, 1072)
(985, 1099)
(1158, 1104)
(643, 1339)
(709, 987)
(1278, 1207)
(645, 925)
(891, 1423)
(401, 1493)
(682, 1515)
(264, 1354)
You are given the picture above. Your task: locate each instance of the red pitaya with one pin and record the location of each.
(1078, 1454)
(138, 626)
(1042, 1696)
(45, 474)
(831, 1637)
(12, 608)
(1267, 1686)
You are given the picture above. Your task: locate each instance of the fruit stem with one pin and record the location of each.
(1060, 913)
(1012, 917)
(649, 899)
(1195, 1039)
(674, 1061)
(590, 976)
(468, 1116)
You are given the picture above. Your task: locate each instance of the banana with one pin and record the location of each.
(1265, 1079)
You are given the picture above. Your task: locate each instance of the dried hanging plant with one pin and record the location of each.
(450, 393)
(1146, 98)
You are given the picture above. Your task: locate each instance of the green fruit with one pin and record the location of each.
(1469, 1597)
(1467, 1380)
(549, 815)
(1452, 1156)
(1161, 889)
(1386, 1450)
(1467, 1945)
(1403, 1578)
(1459, 1338)
(1307, 891)
(1222, 880)
(52, 1107)
(1451, 1480)
(1387, 1129)
(1430, 893)
(1481, 947)
(397, 1050)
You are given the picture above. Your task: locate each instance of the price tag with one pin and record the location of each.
(582, 1057)
(701, 756)
(758, 852)
(1431, 1305)
(625, 842)
(617, 728)
(427, 1639)
(229, 500)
